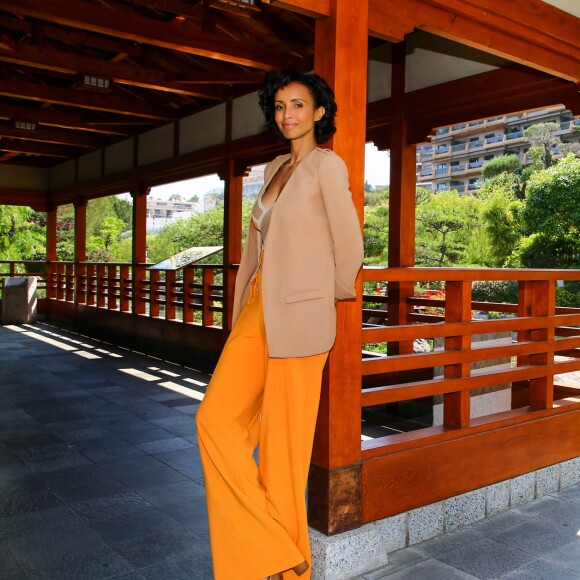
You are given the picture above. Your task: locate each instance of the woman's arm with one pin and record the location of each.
(344, 224)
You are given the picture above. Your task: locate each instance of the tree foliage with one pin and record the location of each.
(501, 164)
(552, 217)
(22, 234)
(448, 224)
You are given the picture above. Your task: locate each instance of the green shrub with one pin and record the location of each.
(495, 291)
(567, 298)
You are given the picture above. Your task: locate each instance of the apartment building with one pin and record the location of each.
(454, 157)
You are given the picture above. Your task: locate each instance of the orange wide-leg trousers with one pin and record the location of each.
(257, 512)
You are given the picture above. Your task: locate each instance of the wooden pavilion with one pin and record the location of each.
(100, 98)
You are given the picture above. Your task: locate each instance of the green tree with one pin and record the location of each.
(448, 226)
(501, 164)
(376, 233)
(543, 139)
(552, 217)
(22, 234)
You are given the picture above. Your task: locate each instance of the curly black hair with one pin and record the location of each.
(321, 93)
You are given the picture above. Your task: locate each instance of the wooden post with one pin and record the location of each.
(233, 184)
(139, 194)
(188, 312)
(80, 249)
(401, 204)
(538, 298)
(334, 496)
(51, 282)
(170, 276)
(456, 406)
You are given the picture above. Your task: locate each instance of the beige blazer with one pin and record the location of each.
(312, 254)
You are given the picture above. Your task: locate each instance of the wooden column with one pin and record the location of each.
(80, 249)
(233, 183)
(456, 406)
(50, 252)
(538, 298)
(335, 478)
(401, 203)
(139, 194)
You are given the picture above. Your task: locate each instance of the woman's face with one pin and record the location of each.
(295, 112)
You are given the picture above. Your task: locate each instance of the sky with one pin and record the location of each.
(376, 173)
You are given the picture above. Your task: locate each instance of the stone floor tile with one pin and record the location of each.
(154, 434)
(164, 445)
(9, 565)
(486, 558)
(539, 507)
(428, 570)
(542, 570)
(537, 537)
(148, 550)
(141, 523)
(398, 560)
(571, 494)
(21, 501)
(567, 556)
(196, 565)
(48, 520)
(113, 454)
(111, 507)
(98, 563)
(181, 491)
(144, 478)
(450, 541)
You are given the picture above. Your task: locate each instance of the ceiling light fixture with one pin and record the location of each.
(25, 125)
(95, 83)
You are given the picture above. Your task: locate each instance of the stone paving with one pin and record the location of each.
(100, 478)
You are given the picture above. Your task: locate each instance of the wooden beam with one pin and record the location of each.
(35, 199)
(391, 19)
(216, 79)
(84, 99)
(313, 8)
(47, 58)
(70, 36)
(53, 136)
(18, 146)
(77, 14)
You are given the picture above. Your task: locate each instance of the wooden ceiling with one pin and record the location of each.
(161, 59)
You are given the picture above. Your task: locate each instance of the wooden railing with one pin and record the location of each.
(24, 269)
(192, 295)
(545, 344)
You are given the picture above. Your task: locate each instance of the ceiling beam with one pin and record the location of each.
(71, 36)
(393, 19)
(37, 200)
(313, 8)
(177, 7)
(43, 116)
(53, 136)
(83, 99)
(81, 15)
(47, 58)
(216, 79)
(544, 27)
(18, 146)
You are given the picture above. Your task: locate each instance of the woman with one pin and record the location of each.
(303, 251)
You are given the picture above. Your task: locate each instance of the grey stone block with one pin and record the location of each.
(522, 488)
(547, 480)
(570, 472)
(464, 509)
(498, 498)
(393, 532)
(348, 554)
(426, 522)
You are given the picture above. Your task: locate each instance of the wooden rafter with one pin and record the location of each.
(138, 28)
(18, 146)
(314, 8)
(50, 59)
(82, 99)
(55, 136)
